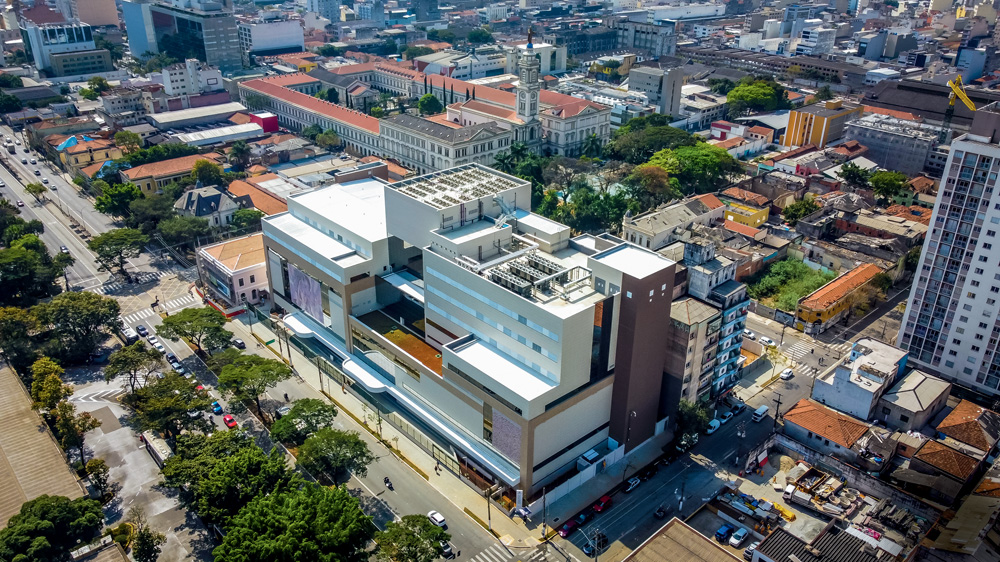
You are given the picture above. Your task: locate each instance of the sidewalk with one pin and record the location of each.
(512, 532)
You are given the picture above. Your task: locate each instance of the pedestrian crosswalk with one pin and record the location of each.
(495, 553)
(170, 306)
(182, 302)
(498, 553)
(110, 395)
(136, 316)
(801, 349)
(140, 278)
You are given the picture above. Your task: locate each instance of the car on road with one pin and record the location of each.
(725, 417)
(568, 528)
(64, 249)
(171, 358)
(285, 410)
(766, 341)
(749, 334)
(238, 344)
(216, 407)
(602, 504)
(584, 516)
(739, 408)
(724, 532)
(632, 484)
(24, 160)
(177, 367)
(786, 374)
(446, 550)
(152, 339)
(20, 203)
(45, 180)
(595, 544)
(649, 472)
(26, 150)
(748, 553)
(229, 420)
(38, 172)
(713, 426)
(33, 161)
(437, 519)
(159, 347)
(738, 537)
(141, 330)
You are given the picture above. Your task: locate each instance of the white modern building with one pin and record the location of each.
(663, 87)
(552, 59)
(267, 38)
(190, 78)
(43, 41)
(463, 65)
(953, 315)
(855, 384)
(523, 352)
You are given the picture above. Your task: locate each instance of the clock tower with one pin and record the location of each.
(528, 84)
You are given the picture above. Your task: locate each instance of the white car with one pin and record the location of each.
(437, 519)
(152, 339)
(786, 374)
(159, 347)
(738, 537)
(748, 334)
(713, 426)
(766, 341)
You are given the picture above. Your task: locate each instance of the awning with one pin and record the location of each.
(305, 327)
(407, 284)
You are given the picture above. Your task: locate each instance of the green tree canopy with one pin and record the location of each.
(312, 131)
(134, 364)
(17, 328)
(207, 172)
(335, 452)
(327, 138)
(35, 189)
(429, 105)
(146, 214)
(201, 326)
(239, 155)
(116, 199)
(414, 51)
(128, 141)
(48, 527)
(77, 322)
(824, 93)
(115, 247)
(195, 456)
(479, 36)
(701, 168)
(183, 230)
(756, 94)
(854, 175)
(307, 416)
(247, 218)
(72, 427)
(163, 405)
(250, 376)
(691, 418)
(413, 539)
(887, 184)
(237, 479)
(47, 387)
(310, 523)
(377, 112)
(798, 210)
(99, 84)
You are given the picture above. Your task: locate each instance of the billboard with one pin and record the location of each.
(305, 292)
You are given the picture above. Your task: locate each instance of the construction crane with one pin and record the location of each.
(957, 92)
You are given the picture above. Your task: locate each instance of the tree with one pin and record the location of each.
(312, 131)
(655, 184)
(327, 139)
(183, 230)
(480, 36)
(415, 51)
(196, 454)
(17, 326)
(798, 210)
(307, 416)
(99, 84)
(721, 86)
(128, 141)
(592, 146)
(413, 539)
(429, 105)
(883, 282)
(824, 93)
(135, 363)
(377, 112)
(237, 479)
(35, 190)
(77, 321)
(72, 427)
(854, 175)
(200, 326)
(47, 387)
(163, 405)
(61, 262)
(218, 361)
(250, 376)
(754, 94)
(691, 418)
(88, 94)
(99, 475)
(47, 528)
(116, 199)
(334, 452)
(239, 155)
(10, 81)
(886, 184)
(700, 168)
(247, 218)
(115, 247)
(504, 162)
(207, 172)
(146, 544)
(309, 523)
(146, 214)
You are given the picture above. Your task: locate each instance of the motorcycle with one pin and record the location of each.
(388, 483)
(660, 513)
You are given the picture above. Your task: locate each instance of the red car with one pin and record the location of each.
(602, 504)
(568, 528)
(229, 420)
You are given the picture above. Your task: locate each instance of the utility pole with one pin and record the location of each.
(680, 496)
(741, 433)
(489, 512)
(777, 409)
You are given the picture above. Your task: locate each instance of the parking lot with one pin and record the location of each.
(707, 523)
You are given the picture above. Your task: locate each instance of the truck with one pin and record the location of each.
(794, 495)
(11, 148)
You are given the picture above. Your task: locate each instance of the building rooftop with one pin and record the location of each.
(829, 108)
(444, 132)
(633, 260)
(916, 391)
(831, 293)
(262, 200)
(357, 206)
(826, 422)
(972, 425)
(678, 541)
(170, 167)
(314, 105)
(690, 311)
(833, 545)
(455, 186)
(169, 119)
(237, 253)
(895, 125)
(746, 196)
(946, 459)
(676, 215)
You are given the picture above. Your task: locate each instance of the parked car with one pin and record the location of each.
(238, 343)
(738, 537)
(159, 347)
(726, 417)
(171, 358)
(584, 516)
(45, 180)
(24, 160)
(151, 338)
(596, 545)
(437, 519)
(749, 334)
(33, 161)
(229, 420)
(713, 426)
(724, 532)
(20, 203)
(568, 528)
(649, 472)
(216, 407)
(766, 341)
(602, 504)
(787, 374)
(738, 408)
(446, 550)
(632, 484)
(748, 553)
(141, 330)
(285, 410)
(38, 172)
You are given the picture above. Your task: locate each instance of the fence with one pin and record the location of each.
(579, 479)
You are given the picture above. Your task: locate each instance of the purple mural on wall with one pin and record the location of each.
(506, 436)
(305, 292)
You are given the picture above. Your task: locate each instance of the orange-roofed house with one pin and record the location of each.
(234, 271)
(152, 177)
(824, 429)
(745, 207)
(973, 425)
(820, 310)
(83, 150)
(260, 199)
(955, 471)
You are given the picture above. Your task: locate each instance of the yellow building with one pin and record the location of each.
(79, 151)
(831, 302)
(745, 207)
(819, 123)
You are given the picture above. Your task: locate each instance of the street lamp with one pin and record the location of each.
(628, 426)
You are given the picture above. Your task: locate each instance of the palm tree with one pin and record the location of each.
(518, 151)
(504, 162)
(239, 155)
(592, 146)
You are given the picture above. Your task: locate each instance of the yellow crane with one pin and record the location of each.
(957, 92)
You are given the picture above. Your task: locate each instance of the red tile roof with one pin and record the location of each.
(315, 105)
(170, 167)
(972, 425)
(257, 180)
(893, 113)
(489, 109)
(914, 213)
(795, 152)
(731, 142)
(831, 293)
(353, 68)
(741, 229)
(947, 460)
(924, 184)
(442, 118)
(296, 79)
(710, 201)
(826, 422)
(263, 200)
(84, 146)
(239, 119)
(746, 196)
(762, 131)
